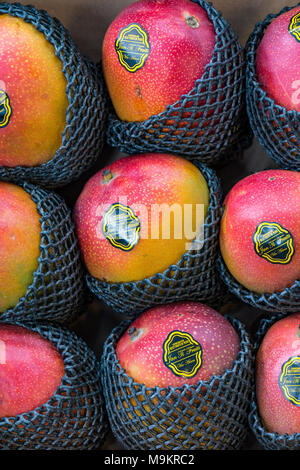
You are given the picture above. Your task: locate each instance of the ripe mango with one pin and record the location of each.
(152, 54)
(33, 100)
(20, 240)
(124, 211)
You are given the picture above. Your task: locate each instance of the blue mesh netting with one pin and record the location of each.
(211, 415)
(277, 129)
(216, 129)
(194, 277)
(73, 418)
(287, 300)
(58, 290)
(269, 440)
(83, 137)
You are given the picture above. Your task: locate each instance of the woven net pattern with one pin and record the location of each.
(287, 300)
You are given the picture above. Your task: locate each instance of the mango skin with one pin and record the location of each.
(280, 343)
(142, 358)
(178, 56)
(144, 179)
(20, 240)
(31, 370)
(277, 62)
(32, 76)
(266, 196)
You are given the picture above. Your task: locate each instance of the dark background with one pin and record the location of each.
(87, 20)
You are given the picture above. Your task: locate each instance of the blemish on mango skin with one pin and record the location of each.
(138, 92)
(191, 21)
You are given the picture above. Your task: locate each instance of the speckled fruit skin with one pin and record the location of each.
(266, 196)
(281, 342)
(142, 358)
(31, 370)
(20, 240)
(178, 56)
(277, 62)
(32, 76)
(145, 179)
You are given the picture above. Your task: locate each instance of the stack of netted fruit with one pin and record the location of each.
(149, 235)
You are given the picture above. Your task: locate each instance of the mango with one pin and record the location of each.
(33, 100)
(139, 215)
(177, 344)
(260, 230)
(31, 370)
(277, 59)
(152, 54)
(20, 239)
(277, 376)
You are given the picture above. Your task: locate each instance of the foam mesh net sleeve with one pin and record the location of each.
(287, 300)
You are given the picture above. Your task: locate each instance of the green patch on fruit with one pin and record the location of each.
(182, 354)
(289, 380)
(294, 27)
(273, 243)
(133, 47)
(121, 227)
(5, 109)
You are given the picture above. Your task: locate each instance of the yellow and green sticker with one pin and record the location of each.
(133, 47)
(182, 354)
(273, 243)
(5, 109)
(121, 227)
(289, 380)
(294, 26)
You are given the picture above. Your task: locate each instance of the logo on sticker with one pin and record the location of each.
(273, 243)
(133, 47)
(5, 109)
(182, 354)
(294, 27)
(121, 227)
(289, 380)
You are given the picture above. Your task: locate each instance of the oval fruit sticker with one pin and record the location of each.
(273, 243)
(294, 27)
(121, 227)
(5, 109)
(182, 354)
(289, 380)
(133, 47)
